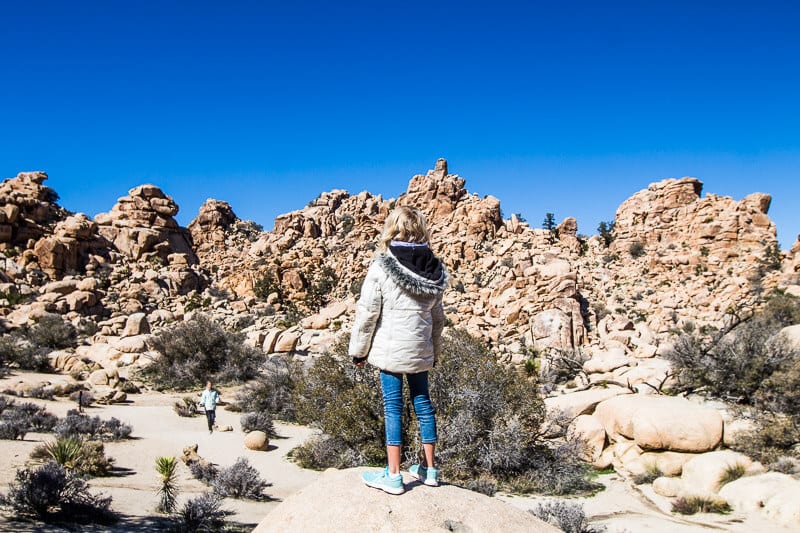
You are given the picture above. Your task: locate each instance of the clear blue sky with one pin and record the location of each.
(568, 107)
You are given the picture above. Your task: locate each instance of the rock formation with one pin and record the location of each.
(141, 226)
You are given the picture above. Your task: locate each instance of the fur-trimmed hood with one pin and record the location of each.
(410, 280)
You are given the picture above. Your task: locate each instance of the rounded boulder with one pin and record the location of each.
(256, 440)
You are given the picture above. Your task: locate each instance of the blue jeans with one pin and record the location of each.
(392, 386)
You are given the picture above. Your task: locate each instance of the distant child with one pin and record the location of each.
(209, 399)
(398, 328)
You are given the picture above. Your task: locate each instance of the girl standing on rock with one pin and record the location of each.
(398, 328)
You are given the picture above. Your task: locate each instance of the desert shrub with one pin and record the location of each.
(203, 471)
(326, 451)
(700, 504)
(556, 367)
(636, 249)
(482, 485)
(731, 473)
(240, 480)
(750, 364)
(271, 391)
(80, 457)
(650, 474)
(53, 332)
(266, 285)
(18, 419)
(567, 516)
(50, 493)
(343, 401)
(201, 514)
(319, 290)
(774, 436)
(556, 468)
(186, 407)
(261, 421)
(489, 420)
(76, 424)
(168, 487)
(16, 351)
(41, 393)
(197, 350)
(786, 465)
(734, 366)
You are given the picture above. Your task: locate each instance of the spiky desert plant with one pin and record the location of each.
(168, 491)
(67, 452)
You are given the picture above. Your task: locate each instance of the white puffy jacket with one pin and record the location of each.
(399, 317)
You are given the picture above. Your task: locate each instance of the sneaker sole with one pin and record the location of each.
(428, 482)
(389, 490)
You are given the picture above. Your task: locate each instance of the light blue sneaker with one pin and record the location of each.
(429, 476)
(382, 479)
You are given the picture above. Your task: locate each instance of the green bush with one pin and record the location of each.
(78, 456)
(50, 493)
(193, 352)
(266, 285)
(636, 249)
(489, 421)
(319, 291)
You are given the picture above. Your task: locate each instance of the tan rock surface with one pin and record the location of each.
(338, 501)
(661, 422)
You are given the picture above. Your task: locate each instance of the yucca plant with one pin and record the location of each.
(65, 451)
(168, 491)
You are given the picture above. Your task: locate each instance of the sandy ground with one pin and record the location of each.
(158, 431)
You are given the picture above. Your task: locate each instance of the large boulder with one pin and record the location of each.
(776, 495)
(583, 402)
(339, 501)
(704, 473)
(661, 423)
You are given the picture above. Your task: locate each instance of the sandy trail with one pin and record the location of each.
(158, 431)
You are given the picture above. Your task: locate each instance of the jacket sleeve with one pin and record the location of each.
(437, 315)
(368, 311)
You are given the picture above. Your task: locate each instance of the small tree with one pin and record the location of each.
(549, 224)
(606, 232)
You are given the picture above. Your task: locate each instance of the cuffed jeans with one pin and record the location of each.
(392, 386)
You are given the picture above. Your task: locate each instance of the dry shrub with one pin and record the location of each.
(568, 517)
(489, 421)
(203, 514)
(18, 419)
(76, 424)
(51, 493)
(198, 350)
(700, 504)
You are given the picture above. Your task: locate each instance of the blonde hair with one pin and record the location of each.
(404, 224)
